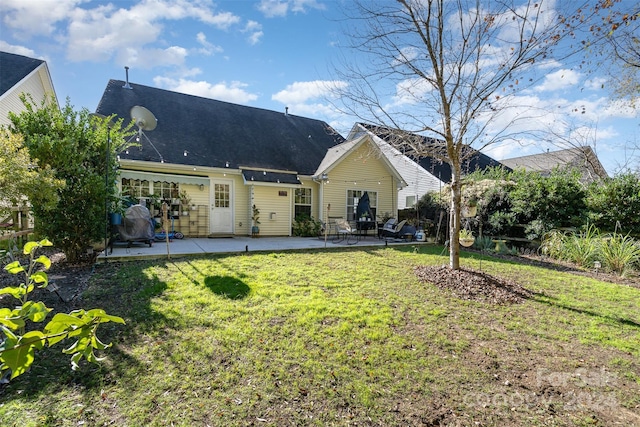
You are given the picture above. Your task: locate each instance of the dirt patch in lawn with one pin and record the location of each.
(473, 285)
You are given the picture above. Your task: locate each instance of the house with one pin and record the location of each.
(228, 158)
(21, 74)
(425, 174)
(580, 158)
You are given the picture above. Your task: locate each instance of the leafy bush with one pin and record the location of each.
(74, 146)
(306, 226)
(616, 201)
(555, 201)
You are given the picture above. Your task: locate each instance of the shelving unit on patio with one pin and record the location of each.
(202, 221)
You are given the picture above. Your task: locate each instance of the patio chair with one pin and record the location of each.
(344, 233)
(392, 229)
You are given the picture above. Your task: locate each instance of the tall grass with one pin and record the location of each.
(620, 253)
(582, 248)
(617, 253)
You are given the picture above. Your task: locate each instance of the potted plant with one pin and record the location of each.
(255, 218)
(185, 201)
(466, 238)
(470, 208)
(118, 206)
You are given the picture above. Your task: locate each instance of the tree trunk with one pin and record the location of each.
(454, 220)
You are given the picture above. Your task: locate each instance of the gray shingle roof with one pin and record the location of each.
(14, 68)
(474, 159)
(582, 158)
(220, 134)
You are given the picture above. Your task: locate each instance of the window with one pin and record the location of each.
(410, 201)
(166, 190)
(302, 202)
(221, 195)
(135, 188)
(353, 197)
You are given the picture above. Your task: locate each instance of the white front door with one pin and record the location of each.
(221, 206)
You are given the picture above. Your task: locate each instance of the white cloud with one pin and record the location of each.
(223, 91)
(255, 30)
(561, 79)
(104, 32)
(271, 8)
(619, 109)
(207, 47)
(18, 50)
(300, 92)
(411, 91)
(279, 8)
(595, 83)
(30, 18)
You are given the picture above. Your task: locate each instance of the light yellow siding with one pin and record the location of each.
(361, 170)
(275, 207)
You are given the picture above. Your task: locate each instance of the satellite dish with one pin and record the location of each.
(144, 118)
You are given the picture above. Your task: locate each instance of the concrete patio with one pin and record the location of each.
(236, 244)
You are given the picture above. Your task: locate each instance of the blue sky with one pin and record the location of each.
(267, 54)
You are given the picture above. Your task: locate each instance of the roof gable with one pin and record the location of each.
(338, 153)
(474, 159)
(15, 68)
(199, 131)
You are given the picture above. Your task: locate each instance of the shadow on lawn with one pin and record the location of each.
(553, 302)
(131, 300)
(227, 286)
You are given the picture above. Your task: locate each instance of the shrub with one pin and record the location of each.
(306, 226)
(616, 201)
(73, 146)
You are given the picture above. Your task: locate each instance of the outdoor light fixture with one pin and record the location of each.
(185, 153)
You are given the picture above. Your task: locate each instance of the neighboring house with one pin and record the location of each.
(423, 175)
(20, 74)
(581, 158)
(229, 157)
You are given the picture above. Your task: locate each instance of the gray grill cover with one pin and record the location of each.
(137, 224)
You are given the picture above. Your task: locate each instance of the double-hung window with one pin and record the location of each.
(302, 202)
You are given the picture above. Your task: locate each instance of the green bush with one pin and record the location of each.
(306, 226)
(544, 203)
(73, 145)
(614, 204)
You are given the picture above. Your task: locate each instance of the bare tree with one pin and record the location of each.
(615, 39)
(442, 76)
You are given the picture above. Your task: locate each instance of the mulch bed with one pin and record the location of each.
(474, 285)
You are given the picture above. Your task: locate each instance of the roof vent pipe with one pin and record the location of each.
(127, 85)
(286, 111)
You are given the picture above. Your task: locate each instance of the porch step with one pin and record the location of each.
(220, 235)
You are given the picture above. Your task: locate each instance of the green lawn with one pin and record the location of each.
(341, 337)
